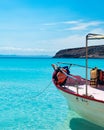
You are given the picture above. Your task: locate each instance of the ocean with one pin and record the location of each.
(30, 101)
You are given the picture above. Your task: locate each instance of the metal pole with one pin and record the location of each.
(86, 63)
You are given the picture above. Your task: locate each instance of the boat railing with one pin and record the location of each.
(71, 64)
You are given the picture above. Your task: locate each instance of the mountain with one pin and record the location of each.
(93, 52)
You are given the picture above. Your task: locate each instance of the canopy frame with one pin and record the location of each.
(90, 36)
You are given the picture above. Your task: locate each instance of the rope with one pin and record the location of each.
(74, 65)
(43, 90)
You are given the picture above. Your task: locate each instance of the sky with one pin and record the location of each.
(43, 27)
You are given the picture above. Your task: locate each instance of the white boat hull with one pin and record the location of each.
(90, 110)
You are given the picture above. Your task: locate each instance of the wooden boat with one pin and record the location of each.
(86, 97)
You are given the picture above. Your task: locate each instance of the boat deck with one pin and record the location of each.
(93, 92)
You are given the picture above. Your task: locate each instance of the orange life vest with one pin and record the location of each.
(61, 77)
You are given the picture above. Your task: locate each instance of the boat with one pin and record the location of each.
(85, 96)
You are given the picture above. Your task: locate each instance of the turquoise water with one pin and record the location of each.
(30, 101)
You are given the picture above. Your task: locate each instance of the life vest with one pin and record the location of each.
(101, 77)
(61, 77)
(94, 77)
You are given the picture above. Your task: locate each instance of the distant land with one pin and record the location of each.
(24, 56)
(93, 52)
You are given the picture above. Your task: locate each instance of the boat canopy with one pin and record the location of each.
(91, 36)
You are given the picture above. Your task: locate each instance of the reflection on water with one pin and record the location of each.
(81, 124)
(75, 122)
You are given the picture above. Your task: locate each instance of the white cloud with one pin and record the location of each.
(48, 43)
(28, 51)
(98, 31)
(51, 24)
(72, 41)
(71, 22)
(74, 25)
(62, 22)
(21, 49)
(85, 25)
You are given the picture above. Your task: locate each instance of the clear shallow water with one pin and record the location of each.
(29, 100)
